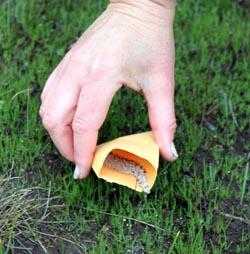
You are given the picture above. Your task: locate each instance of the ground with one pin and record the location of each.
(199, 204)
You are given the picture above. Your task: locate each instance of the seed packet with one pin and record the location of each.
(131, 161)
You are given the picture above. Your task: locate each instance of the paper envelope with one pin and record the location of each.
(140, 149)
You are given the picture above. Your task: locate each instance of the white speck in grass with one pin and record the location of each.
(210, 126)
(129, 167)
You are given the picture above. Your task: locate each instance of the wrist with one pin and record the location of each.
(158, 11)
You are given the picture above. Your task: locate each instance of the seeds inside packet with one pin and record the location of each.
(130, 167)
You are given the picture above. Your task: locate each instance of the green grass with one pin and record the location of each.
(199, 204)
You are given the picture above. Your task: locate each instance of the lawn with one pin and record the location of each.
(199, 204)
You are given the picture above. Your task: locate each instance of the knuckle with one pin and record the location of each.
(170, 123)
(101, 68)
(42, 96)
(72, 69)
(80, 126)
(49, 122)
(98, 68)
(41, 111)
(72, 66)
(98, 72)
(174, 126)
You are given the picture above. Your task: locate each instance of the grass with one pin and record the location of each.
(199, 204)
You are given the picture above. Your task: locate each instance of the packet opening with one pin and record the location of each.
(128, 168)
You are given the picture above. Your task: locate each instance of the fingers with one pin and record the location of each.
(93, 105)
(73, 115)
(160, 102)
(57, 112)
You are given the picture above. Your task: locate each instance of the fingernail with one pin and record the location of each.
(76, 173)
(173, 149)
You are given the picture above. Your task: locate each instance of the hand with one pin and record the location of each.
(130, 44)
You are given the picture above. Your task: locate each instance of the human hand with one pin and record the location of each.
(130, 44)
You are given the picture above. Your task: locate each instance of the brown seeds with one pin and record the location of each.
(129, 167)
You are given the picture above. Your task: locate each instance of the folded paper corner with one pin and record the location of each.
(131, 161)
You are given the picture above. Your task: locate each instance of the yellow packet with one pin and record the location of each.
(131, 161)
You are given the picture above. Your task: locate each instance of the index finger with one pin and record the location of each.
(92, 108)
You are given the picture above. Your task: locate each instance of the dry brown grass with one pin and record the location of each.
(23, 213)
(20, 210)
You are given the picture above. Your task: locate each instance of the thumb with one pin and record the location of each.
(160, 102)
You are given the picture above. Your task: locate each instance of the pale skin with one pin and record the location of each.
(131, 44)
